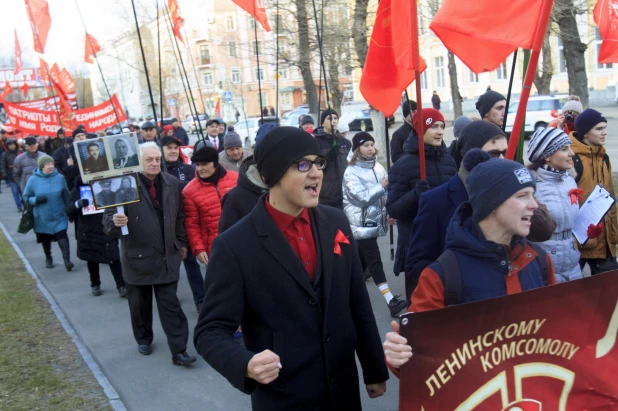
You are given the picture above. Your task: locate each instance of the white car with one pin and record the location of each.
(247, 128)
(539, 112)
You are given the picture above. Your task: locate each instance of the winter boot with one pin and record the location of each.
(66, 253)
(49, 261)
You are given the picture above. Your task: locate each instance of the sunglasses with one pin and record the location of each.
(305, 165)
(497, 153)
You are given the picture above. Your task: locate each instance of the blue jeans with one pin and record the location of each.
(194, 276)
(16, 194)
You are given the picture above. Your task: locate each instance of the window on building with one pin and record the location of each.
(235, 75)
(424, 80)
(204, 54)
(281, 22)
(264, 99)
(472, 77)
(231, 49)
(286, 100)
(438, 63)
(501, 73)
(259, 74)
(257, 47)
(230, 24)
(284, 74)
(208, 78)
(421, 21)
(598, 40)
(252, 23)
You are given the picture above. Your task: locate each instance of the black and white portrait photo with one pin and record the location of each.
(124, 152)
(93, 156)
(115, 191)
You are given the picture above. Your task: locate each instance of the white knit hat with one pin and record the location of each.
(545, 142)
(573, 105)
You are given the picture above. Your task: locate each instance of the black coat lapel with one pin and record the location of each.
(326, 242)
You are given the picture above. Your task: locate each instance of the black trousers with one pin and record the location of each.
(600, 265)
(173, 319)
(115, 268)
(370, 251)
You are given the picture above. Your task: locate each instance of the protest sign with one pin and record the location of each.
(32, 121)
(553, 347)
(101, 116)
(110, 156)
(115, 191)
(85, 192)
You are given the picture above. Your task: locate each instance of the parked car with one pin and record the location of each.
(360, 119)
(190, 123)
(247, 128)
(539, 112)
(291, 117)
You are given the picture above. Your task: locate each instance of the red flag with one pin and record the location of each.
(176, 19)
(40, 21)
(44, 71)
(67, 117)
(389, 66)
(66, 81)
(7, 90)
(606, 17)
(17, 54)
(481, 39)
(24, 89)
(256, 9)
(218, 108)
(92, 48)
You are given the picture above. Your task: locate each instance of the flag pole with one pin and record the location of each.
(508, 94)
(417, 81)
(277, 62)
(257, 56)
(160, 71)
(539, 37)
(388, 167)
(317, 26)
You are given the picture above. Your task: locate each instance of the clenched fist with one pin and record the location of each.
(264, 367)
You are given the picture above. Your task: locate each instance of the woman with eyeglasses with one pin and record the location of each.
(364, 204)
(551, 158)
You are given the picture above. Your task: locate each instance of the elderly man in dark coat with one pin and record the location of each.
(151, 254)
(289, 273)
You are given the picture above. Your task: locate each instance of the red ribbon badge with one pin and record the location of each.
(576, 195)
(340, 238)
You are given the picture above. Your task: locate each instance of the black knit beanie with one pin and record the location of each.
(476, 134)
(586, 120)
(279, 149)
(205, 154)
(487, 101)
(361, 138)
(405, 108)
(327, 113)
(77, 131)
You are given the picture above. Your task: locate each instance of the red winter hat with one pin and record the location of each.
(167, 128)
(430, 116)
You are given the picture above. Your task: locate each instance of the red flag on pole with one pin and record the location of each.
(92, 48)
(40, 21)
(17, 54)
(256, 9)
(7, 90)
(606, 17)
(66, 81)
(24, 89)
(389, 67)
(481, 39)
(177, 21)
(218, 108)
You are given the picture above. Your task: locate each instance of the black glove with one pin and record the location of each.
(421, 187)
(83, 202)
(40, 200)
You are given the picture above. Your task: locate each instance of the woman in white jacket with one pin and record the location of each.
(551, 156)
(364, 204)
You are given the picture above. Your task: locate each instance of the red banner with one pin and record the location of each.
(49, 103)
(32, 121)
(102, 116)
(553, 348)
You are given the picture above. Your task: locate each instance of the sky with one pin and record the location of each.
(104, 19)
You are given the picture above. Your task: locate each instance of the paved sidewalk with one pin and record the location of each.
(153, 382)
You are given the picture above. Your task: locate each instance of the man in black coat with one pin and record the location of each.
(123, 157)
(180, 132)
(289, 273)
(402, 133)
(96, 162)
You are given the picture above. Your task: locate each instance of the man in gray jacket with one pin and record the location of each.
(233, 155)
(26, 163)
(151, 254)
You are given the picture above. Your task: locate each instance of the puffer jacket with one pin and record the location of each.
(24, 166)
(364, 199)
(7, 161)
(552, 189)
(335, 149)
(402, 201)
(596, 171)
(202, 207)
(49, 217)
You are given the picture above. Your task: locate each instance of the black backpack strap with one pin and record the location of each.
(451, 277)
(579, 167)
(541, 258)
(607, 164)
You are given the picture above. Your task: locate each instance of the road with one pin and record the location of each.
(152, 382)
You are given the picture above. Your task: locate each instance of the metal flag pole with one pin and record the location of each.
(160, 71)
(257, 55)
(508, 94)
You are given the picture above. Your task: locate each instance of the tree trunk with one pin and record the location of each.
(333, 80)
(542, 78)
(359, 31)
(304, 58)
(574, 50)
(452, 72)
(379, 133)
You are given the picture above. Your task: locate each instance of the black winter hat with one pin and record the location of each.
(78, 131)
(487, 101)
(476, 134)
(586, 120)
(405, 108)
(327, 113)
(491, 181)
(279, 149)
(361, 138)
(307, 119)
(205, 155)
(30, 140)
(169, 140)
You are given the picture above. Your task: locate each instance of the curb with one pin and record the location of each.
(113, 397)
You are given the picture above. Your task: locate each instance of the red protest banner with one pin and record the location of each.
(553, 348)
(49, 103)
(32, 121)
(101, 116)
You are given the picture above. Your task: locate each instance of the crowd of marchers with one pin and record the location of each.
(289, 235)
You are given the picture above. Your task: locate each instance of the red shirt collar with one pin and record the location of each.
(283, 220)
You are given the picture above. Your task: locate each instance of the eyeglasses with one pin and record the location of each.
(497, 153)
(304, 166)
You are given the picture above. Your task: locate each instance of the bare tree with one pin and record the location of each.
(359, 31)
(542, 78)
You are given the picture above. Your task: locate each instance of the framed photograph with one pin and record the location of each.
(109, 156)
(86, 192)
(115, 191)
